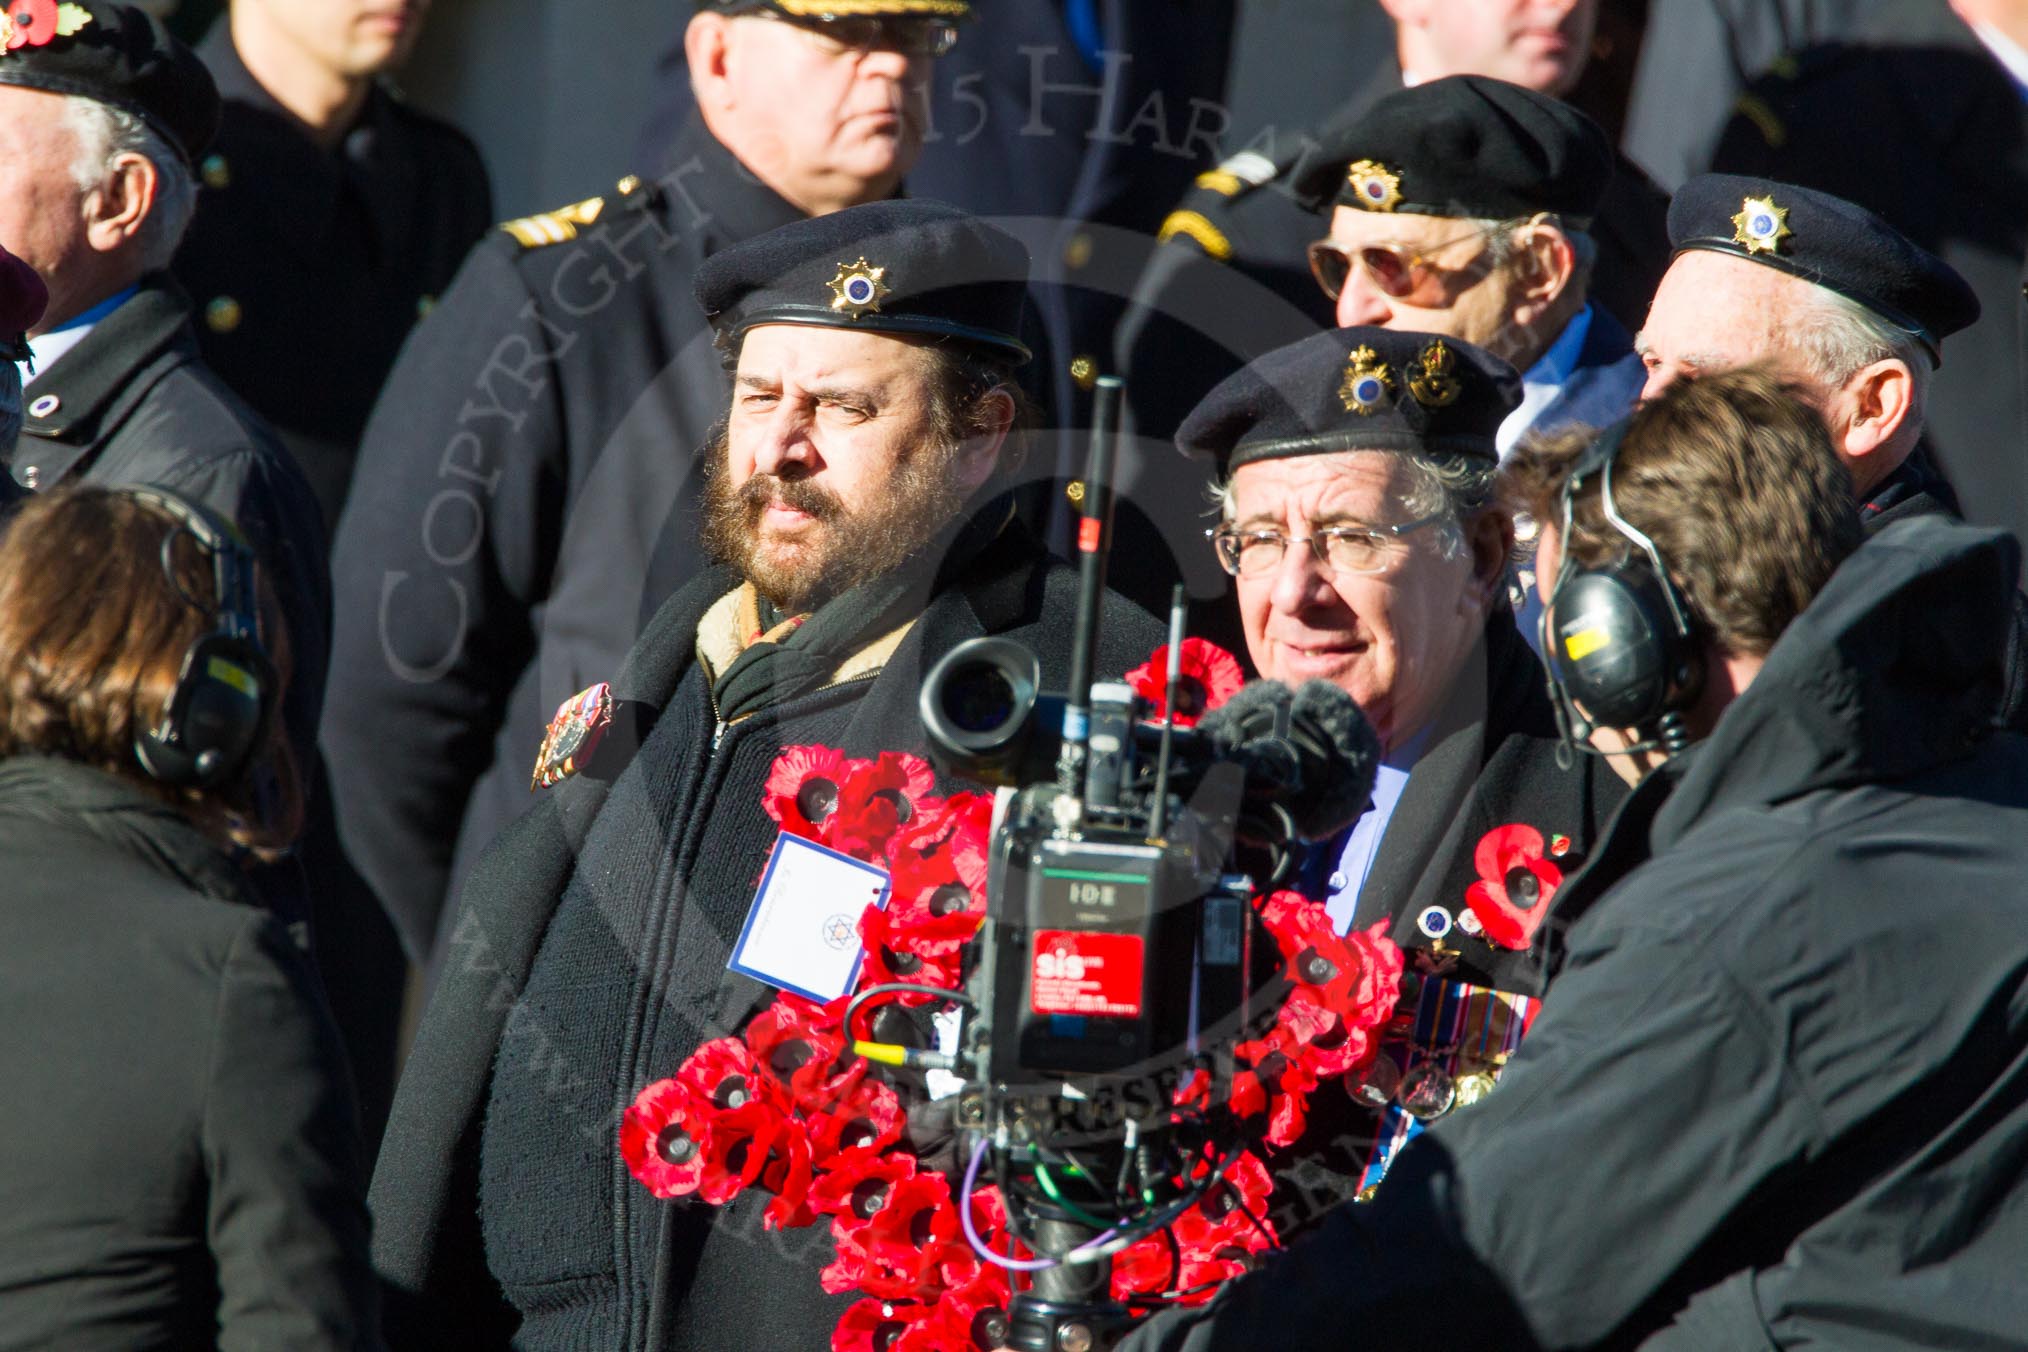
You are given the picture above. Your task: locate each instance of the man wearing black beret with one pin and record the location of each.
(1832, 297)
(1358, 522)
(854, 501)
(116, 391)
(527, 489)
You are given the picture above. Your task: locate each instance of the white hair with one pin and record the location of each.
(104, 133)
(1836, 337)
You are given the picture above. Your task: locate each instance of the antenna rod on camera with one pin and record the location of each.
(1094, 539)
(1172, 695)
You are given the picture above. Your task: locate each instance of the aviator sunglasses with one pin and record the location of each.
(1404, 276)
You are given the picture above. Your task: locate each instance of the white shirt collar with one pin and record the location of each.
(2006, 51)
(1543, 381)
(47, 350)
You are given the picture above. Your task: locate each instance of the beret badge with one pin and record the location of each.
(1761, 226)
(1375, 186)
(37, 23)
(1367, 383)
(858, 288)
(1434, 381)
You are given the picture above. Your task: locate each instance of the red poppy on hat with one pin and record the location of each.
(1515, 884)
(31, 23)
(662, 1138)
(1211, 676)
(803, 787)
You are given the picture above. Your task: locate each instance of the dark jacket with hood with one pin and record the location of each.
(588, 959)
(179, 1152)
(1778, 1093)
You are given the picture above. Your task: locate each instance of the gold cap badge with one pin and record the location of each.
(1376, 187)
(858, 288)
(1434, 381)
(1761, 226)
(1367, 383)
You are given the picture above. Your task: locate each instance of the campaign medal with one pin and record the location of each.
(1374, 185)
(573, 735)
(1427, 1092)
(858, 288)
(1367, 383)
(1375, 1089)
(1761, 226)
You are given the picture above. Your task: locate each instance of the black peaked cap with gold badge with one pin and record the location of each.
(1827, 240)
(1358, 389)
(907, 266)
(116, 55)
(1466, 146)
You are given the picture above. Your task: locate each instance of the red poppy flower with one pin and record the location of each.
(1356, 976)
(856, 1185)
(1145, 1267)
(1211, 676)
(919, 948)
(1515, 884)
(798, 1041)
(737, 1149)
(880, 1325)
(787, 1174)
(1281, 1082)
(864, 1121)
(877, 799)
(979, 1307)
(725, 1075)
(803, 787)
(662, 1138)
(31, 23)
(905, 1240)
(1226, 1214)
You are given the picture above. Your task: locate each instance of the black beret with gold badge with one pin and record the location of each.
(907, 266)
(1357, 389)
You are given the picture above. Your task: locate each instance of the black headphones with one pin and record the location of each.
(1620, 641)
(225, 689)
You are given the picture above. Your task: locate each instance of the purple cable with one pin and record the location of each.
(1003, 1260)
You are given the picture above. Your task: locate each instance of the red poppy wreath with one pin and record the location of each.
(789, 1108)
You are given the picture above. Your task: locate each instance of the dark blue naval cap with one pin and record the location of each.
(907, 266)
(1358, 389)
(1827, 240)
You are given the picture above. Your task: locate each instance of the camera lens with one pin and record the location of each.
(980, 699)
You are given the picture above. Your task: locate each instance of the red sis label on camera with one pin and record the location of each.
(1087, 972)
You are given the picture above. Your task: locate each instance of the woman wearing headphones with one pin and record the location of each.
(179, 1154)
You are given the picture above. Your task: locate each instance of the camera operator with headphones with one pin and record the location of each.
(179, 1157)
(1778, 1091)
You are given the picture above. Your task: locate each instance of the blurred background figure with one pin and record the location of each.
(528, 484)
(331, 215)
(179, 1158)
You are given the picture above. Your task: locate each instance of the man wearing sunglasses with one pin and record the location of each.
(1465, 210)
(1366, 550)
(529, 484)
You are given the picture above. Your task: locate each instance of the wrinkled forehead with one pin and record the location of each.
(809, 352)
(1348, 486)
(1349, 225)
(1719, 311)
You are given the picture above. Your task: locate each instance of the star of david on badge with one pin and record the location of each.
(1761, 226)
(1377, 187)
(1367, 383)
(839, 933)
(858, 288)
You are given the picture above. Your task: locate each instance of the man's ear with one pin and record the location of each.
(117, 208)
(1489, 536)
(1879, 402)
(1544, 265)
(981, 452)
(707, 46)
